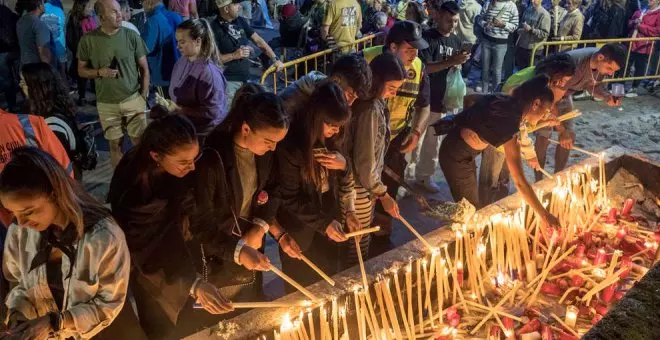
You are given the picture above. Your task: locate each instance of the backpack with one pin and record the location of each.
(80, 142)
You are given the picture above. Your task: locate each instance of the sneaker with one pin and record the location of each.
(428, 185)
(632, 93)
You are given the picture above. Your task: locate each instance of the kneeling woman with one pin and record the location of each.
(494, 120)
(316, 182)
(64, 255)
(370, 136)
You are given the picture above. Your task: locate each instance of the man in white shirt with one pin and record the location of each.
(126, 14)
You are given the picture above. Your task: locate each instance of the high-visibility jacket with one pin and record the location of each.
(18, 130)
(402, 104)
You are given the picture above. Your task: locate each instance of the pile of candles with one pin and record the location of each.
(504, 276)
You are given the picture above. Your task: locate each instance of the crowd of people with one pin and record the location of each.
(218, 162)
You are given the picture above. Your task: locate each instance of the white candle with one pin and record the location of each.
(571, 316)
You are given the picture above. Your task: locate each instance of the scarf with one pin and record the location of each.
(49, 240)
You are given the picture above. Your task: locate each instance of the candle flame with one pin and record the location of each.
(409, 268)
(459, 235)
(651, 245)
(286, 325)
(306, 303)
(481, 249)
(599, 272)
(501, 280)
(459, 265)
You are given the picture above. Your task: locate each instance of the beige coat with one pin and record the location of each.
(96, 291)
(570, 28)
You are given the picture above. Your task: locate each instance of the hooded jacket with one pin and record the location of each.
(297, 95)
(649, 27)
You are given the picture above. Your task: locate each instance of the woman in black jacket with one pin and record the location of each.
(316, 183)
(74, 31)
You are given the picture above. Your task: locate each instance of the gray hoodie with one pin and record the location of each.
(297, 95)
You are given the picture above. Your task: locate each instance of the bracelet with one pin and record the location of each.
(194, 287)
(281, 237)
(56, 321)
(264, 226)
(237, 251)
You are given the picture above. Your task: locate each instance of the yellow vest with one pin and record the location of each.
(400, 105)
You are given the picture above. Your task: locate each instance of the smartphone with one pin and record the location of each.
(320, 151)
(467, 48)
(114, 64)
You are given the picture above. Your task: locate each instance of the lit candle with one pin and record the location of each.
(459, 273)
(344, 322)
(599, 272)
(438, 285)
(286, 327)
(571, 316)
(411, 320)
(358, 313)
(335, 321)
(310, 320)
(420, 311)
(600, 257)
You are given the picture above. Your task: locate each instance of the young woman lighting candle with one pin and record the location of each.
(495, 120)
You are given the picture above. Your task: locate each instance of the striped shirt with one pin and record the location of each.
(505, 11)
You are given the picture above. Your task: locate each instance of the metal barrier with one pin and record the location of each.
(561, 46)
(318, 59)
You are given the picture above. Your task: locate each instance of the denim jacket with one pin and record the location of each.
(95, 292)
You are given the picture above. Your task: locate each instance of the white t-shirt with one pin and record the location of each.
(129, 25)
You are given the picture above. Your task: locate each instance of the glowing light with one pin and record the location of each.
(651, 244)
(501, 280)
(599, 272)
(286, 325)
(571, 316)
(481, 249)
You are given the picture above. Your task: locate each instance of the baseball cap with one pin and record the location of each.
(408, 31)
(223, 3)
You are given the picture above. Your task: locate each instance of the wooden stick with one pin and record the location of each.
(293, 283)
(544, 172)
(412, 230)
(576, 149)
(317, 270)
(273, 304)
(362, 232)
(561, 322)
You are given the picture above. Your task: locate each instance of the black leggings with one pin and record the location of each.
(458, 166)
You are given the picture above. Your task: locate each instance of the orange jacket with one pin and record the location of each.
(18, 130)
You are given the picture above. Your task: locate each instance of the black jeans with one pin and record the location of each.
(639, 61)
(460, 169)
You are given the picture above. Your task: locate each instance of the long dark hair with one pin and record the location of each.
(77, 12)
(255, 107)
(201, 29)
(32, 172)
(329, 107)
(385, 67)
(46, 91)
(535, 88)
(164, 135)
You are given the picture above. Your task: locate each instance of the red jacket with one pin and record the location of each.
(649, 27)
(27, 130)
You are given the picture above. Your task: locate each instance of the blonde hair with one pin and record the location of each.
(201, 29)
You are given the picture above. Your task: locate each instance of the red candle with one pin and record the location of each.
(596, 319)
(627, 206)
(494, 332)
(546, 332)
(607, 293)
(621, 233)
(579, 252)
(626, 262)
(611, 217)
(601, 256)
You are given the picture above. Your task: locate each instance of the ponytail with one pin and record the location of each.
(256, 107)
(201, 29)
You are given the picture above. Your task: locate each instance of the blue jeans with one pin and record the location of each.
(492, 58)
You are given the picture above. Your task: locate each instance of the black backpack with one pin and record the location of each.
(80, 142)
